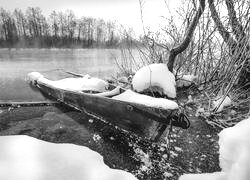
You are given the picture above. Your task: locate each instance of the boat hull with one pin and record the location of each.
(143, 121)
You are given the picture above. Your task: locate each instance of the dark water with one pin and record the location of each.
(16, 64)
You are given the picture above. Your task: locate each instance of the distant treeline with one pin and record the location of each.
(61, 29)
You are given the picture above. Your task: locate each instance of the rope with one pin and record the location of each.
(169, 138)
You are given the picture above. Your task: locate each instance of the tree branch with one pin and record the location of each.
(223, 32)
(236, 26)
(177, 50)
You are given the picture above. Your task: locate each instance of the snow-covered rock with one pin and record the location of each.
(186, 80)
(131, 96)
(219, 105)
(234, 155)
(27, 158)
(73, 84)
(155, 75)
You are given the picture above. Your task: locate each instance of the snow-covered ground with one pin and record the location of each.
(27, 158)
(155, 75)
(131, 96)
(234, 155)
(73, 84)
(221, 103)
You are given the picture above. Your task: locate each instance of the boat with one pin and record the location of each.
(146, 122)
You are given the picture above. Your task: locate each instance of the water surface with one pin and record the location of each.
(16, 64)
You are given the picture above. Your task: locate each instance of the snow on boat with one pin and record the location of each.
(145, 116)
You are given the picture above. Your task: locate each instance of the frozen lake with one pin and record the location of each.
(15, 64)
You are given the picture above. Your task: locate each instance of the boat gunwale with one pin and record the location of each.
(108, 98)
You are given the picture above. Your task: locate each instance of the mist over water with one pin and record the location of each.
(16, 64)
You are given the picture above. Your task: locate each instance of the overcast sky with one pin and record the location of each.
(126, 12)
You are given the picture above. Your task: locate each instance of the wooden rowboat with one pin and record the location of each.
(146, 122)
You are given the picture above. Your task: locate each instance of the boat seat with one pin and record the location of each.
(111, 93)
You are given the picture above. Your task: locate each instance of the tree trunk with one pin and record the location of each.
(238, 47)
(177, 50)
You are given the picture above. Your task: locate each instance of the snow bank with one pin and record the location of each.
(130, 96)
(227, 102)
(186, 80)
(73, 84)
(205, 176)
(234, 155)
(155, 75)
(26, 158)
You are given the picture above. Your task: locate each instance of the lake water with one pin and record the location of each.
(16, 64)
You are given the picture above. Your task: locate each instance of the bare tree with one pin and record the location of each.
(61, 29)
(21, 22)
(55, 24)
(8, 26)
(180, 48)
(238, 39)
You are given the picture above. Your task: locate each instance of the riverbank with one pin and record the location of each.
(194, 150)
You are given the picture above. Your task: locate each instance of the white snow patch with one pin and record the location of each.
(178, 149)
(131, 96)
(234, 155)
(85, 83)
(220, 105)
(110, 93)
(233, 112)
(186, 80)
(96, 137)
(173, 154)
(165, 156)
(205, 176)
(190, 99)
(167, 174)
(34, 76)
(199, 111)
(145, 159)
(155, 75)
(27, 158)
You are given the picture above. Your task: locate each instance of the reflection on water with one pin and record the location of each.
(15, 64)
